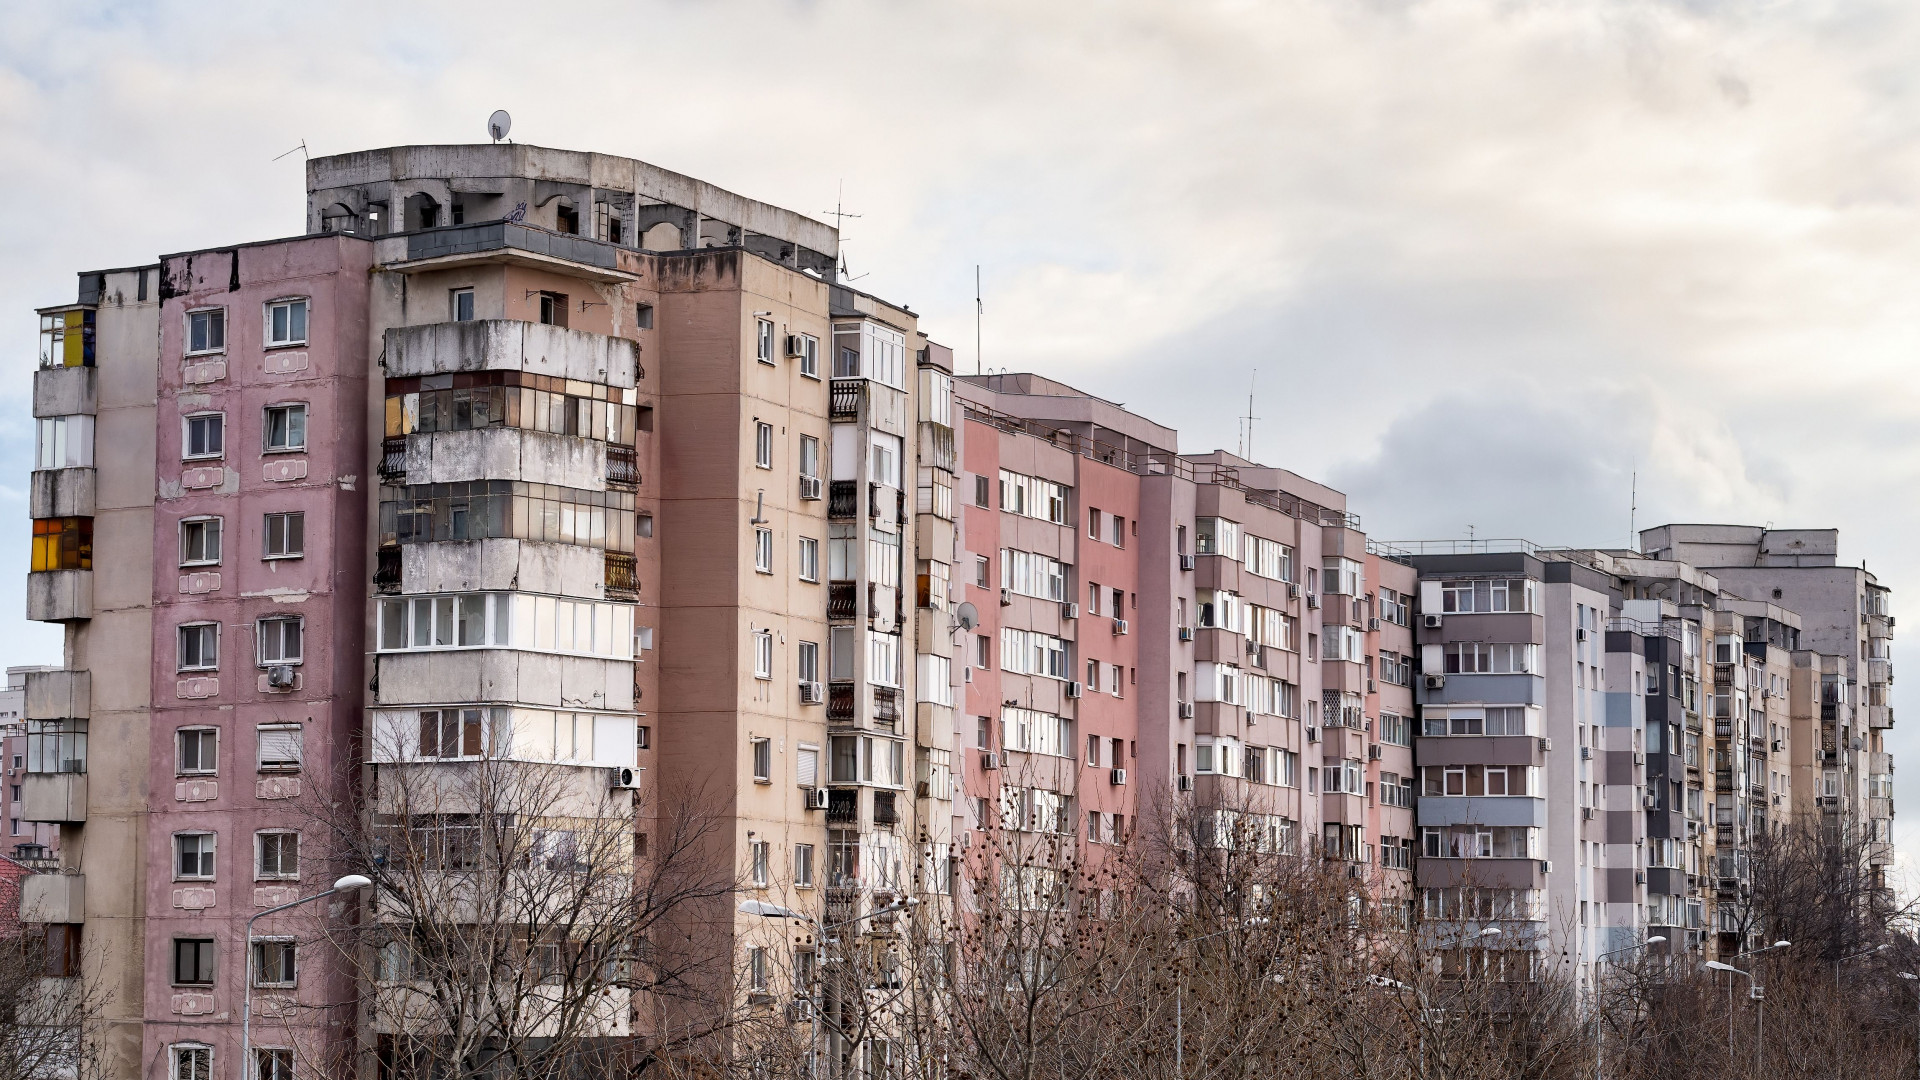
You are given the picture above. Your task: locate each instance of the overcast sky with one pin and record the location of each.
(1489, 257)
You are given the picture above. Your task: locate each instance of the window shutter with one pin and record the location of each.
(280, 747)
(809, 767)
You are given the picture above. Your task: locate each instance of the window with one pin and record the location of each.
(1499, 594)
(809, 559)
(508, 620)
(207, 331)
(762, 762)
(276, 855)
(280, 640)
(273, 963)
(193, 856)
(553, 309)
(803, 865)
(205, 436)
(1032, 574)
(286, 428)
(200, 542)
(763, 654)
(62, 544)
(762, 873)
(1093, 523)
(982, 651)
(285, 535)
(279, 747)
(1217, 536)
(1032, 497)
(763, 445)
(807, 661)
(809, 356)
(982, 491)
(1119, 530)
(199, 647)
(642, 737)
(273, 1064)
(809, 456)
(1498, 658)
(757, 955)
(198, 751)
(192, 1061)
(643, 316)
(452, 733)
(1026, 652)
(286, 323)
(763, 549)
(763, 341)
(806, 766)
(63, 442)
(462, 305)
(1395, 730)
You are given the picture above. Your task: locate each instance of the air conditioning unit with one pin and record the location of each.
(812, 693)
(1546, 745)
(1546, 866)
(1765, 694)
(1639, 877)
(1186, 710)
(817, 798)
(966, 674)
(1184, 782)
(280, 676)
(1117, 777)
(1432, 622)
(810, 487)
(1586, 813)
(1006, 597)
(1069, 610)
(1373, 624)
(1639, 757)
(1586, 753)
(796, 345)
(1313, 600)
(1580, 633)
(1293, 590)
(1119, 627)
(1253, 648)
(1776, 800)
(623, 779)
(1778, 745)
(1373, 752)
(1186, 633)
(1646, 801)
(923, 789)
(1313, 734)
(1436, 682)
(1186, 562)
(989, 761)
(1074, 689)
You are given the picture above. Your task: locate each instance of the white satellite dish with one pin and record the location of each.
(499, 124)
(968, 616)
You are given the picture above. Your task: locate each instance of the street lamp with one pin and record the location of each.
(1757, 993)
(1419, 995)
(1910, 977)
(774, 911)
(1598, 1034)
(1179, 995)
(248, 1069)
(1856, 956)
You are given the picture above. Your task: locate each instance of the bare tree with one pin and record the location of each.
(46, 1010)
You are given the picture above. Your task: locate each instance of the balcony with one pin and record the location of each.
(623, 467)
(843, 806)
(622, 581)
(886, 705)
(60, 595)
(843, 601)
(510, 345)
(386, 569)
(60, 798)
(53, 898)
(885, 812)
(62, 493)
(65, 391)
(393, 459)
(841, 707)
(843, 500)
(849, 395)
(59, 695)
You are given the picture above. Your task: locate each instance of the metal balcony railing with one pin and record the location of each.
(884, 810)
(844, 405)
(623, 466)
(843, 500)
(840, 702)
(886, 704)
(393, 458)
(622, 581)
(843, 806)
(843, 600)
(386, 569)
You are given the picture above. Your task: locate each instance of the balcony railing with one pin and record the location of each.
(843, 500)
(884, 810)
(623, 466)
(844, 406)
(886, 704)
(393, 458)
(622, 582)
(386, 569)
(840, 702)
(843, 806)
(843, 600)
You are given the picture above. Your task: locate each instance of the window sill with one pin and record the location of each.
(203, 354)
(271, 450)
(266, 664)
(279, 770)
(203, 457)
(197, 671)
(197, 565)
(814, 375)
(764, 781)
(271, 345)
(281, 558)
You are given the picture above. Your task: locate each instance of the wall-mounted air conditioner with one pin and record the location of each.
(1436, 682)
(1069, 610)
(1432, 622)
(1074, 689)
(811, 693)
(1186, 562)
(1186, 710)
(1186, 633)
(989, 761)
(1119, 627)
(1117, 777)
(817, 798)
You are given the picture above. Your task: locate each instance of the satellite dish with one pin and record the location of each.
(499, 124)
(969, 616)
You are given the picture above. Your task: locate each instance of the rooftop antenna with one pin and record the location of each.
(979, 309)
(840, 216)
(1250, 418)
(303, 151)
(499, 124)
(1633, 505)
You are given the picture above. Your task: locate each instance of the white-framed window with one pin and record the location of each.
(63, 442)
(507, 620)
(1030, 496)
(1033, 732)
(867, 759)
(280, 638)
(762, 762)
(462, 733)
(191, 1061)
(1496, 658)
(276, 855)
(763, 549)
(809, 456)
(762, 877)
(1028, 652)
(1217, 536)
(285, 428)
(809, 559)
(762, 445)
(199, 751)
(763, 341)
(273, 962)
(199, 647)
(279, 747)
(284, 535)
(286, 322)
(803, 866)
(204, 435)
(193, 856)
(883, 659)
(757, 963)
(935, 682)
(806, 661)
(1495, 594)
(763, 654)
(460, 305)
(809, 356)
(206, 331)
(200, 542)
(1343, 576)
(273, 1064)
(884, 459)
(1032, 574)
(1268, 559)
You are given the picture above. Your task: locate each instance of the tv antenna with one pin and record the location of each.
(499, 124)
(839, 211)
(979, 310)
(1246, 443)
(302, 148)
(1633, 505)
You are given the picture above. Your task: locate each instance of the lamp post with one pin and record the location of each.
(775, 911)
(1856, 956)
(1598, 1034)
(248, 1071)
(1755, 991)
(1425, 1009)
(1910, 977)
(1179, 998)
